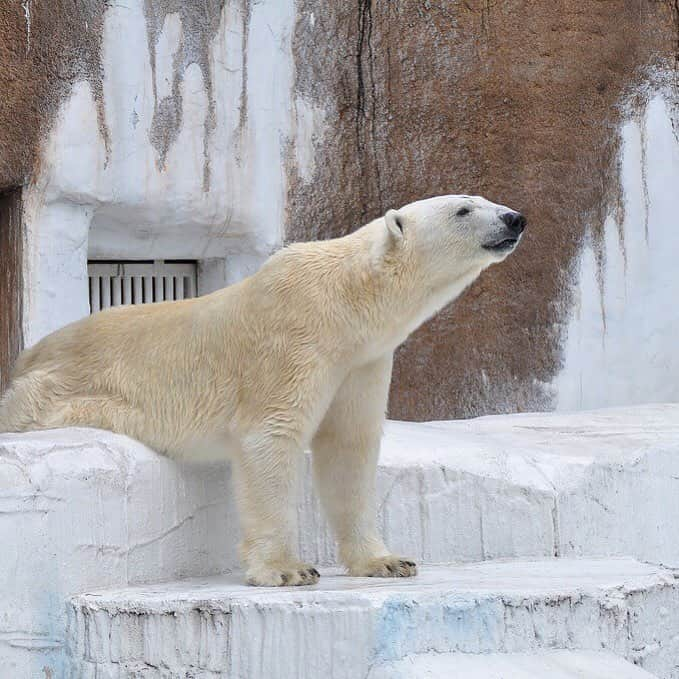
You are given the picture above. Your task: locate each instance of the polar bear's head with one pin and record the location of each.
(456, 233)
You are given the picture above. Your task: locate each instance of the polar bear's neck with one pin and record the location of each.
(411, 292)
(369, 305)
(413, 302)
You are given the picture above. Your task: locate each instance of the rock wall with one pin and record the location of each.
(45, 48)
(519, 101)
(217, 131)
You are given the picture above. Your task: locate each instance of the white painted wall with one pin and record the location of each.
(621, 346)
(122, 204)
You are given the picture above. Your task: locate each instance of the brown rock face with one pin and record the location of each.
(517, 101)
(44, 48)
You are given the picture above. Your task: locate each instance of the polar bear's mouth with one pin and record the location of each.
(501, 245)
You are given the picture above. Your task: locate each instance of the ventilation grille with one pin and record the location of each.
(116, 283)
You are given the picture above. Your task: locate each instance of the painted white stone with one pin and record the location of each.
(57, 223)
(79, 509)
(62, 235)
(622, 332)
(166, 48)
(86, 509)
(552, 664)
(344, 626)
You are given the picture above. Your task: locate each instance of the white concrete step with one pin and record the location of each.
(550, 484)
(544, 665)
(82, 509)
(345, 627)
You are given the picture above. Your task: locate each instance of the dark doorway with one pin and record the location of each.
(11, 337)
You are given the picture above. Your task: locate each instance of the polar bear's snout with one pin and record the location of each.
(514, 224)
(450, 231)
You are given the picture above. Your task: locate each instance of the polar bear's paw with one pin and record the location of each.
(282, 575)
(386, 567)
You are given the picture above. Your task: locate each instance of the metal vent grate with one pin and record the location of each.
(116, 283)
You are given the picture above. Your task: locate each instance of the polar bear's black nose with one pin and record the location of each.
(515, 222)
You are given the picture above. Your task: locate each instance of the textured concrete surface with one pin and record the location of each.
(554, 484)
(554, 664)
(344, 627)
(83, 509)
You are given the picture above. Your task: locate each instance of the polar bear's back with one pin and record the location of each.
(120, 369)
(170, 373)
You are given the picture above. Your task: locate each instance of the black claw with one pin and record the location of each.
(410, 563)
(314, 572)
(389, 568)
(284, 578)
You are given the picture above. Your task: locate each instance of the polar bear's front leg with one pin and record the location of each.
(265, 480)
(345, 451)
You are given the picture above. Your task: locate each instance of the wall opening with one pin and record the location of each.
(114, 283)
(11, 282)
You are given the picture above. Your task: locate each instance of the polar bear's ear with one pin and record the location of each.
(389, 239)
(394, 223)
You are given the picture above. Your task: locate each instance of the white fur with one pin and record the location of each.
(297, 355)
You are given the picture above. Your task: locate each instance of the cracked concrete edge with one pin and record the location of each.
(617, 612)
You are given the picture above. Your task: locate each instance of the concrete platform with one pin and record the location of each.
(83, 509)
(552, 665)
(345, 627)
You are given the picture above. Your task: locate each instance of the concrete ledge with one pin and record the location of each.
(554, 664)
(84, 508)
(551, 484)
(345, 627)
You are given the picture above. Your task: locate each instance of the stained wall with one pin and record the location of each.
(220, 130)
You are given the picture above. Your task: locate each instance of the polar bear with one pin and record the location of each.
(298, 355)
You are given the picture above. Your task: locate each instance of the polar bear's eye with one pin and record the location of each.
(462, 212)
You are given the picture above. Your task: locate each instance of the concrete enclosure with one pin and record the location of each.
(216, 131)
(190, 139)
